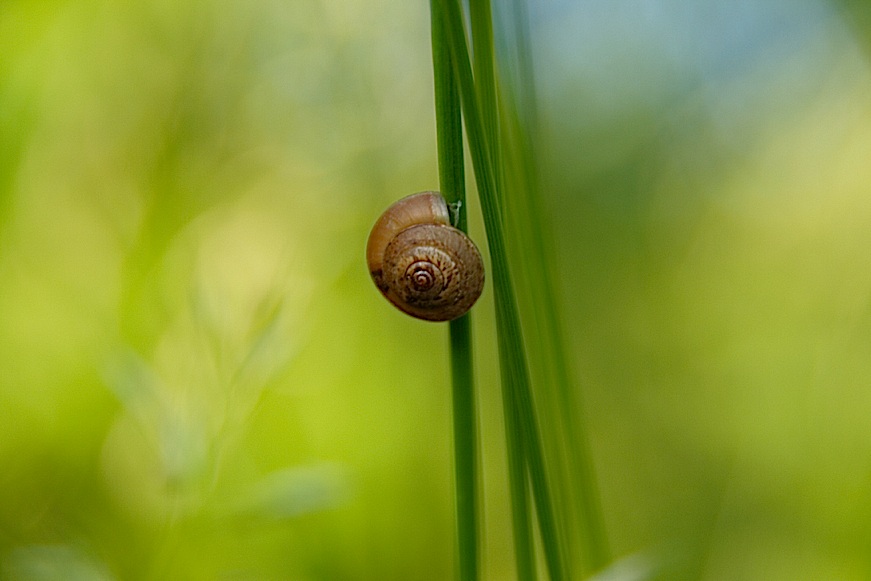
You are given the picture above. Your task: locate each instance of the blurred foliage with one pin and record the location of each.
(197, 380)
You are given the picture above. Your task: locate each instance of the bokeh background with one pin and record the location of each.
(198, 380)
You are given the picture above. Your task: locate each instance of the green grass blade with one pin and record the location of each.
(514, 367)
(523, 537)
(452, 183)
(518, 479)
(449, 124)
(532, 238)
(484, 72)
(465, 448)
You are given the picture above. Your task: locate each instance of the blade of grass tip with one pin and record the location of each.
(513, 362)
(452, 182)
(533, 230)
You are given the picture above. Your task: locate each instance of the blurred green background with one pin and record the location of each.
(199, 381)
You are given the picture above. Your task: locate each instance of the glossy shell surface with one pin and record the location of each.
(420, 263)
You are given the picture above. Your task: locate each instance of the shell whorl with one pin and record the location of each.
(420, 263)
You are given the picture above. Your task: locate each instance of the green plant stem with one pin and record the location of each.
(465, 448)
(513, 364)
(518, 483)
(484, 72)
(534, 236)
(452, 183)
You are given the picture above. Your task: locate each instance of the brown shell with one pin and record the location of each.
(423, 265)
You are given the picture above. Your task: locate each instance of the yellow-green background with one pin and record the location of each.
(199, 381)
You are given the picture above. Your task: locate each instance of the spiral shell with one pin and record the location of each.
(423, 265)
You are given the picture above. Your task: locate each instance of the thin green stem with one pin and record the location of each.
(533, 236)
(465, 448)
(484, 72)
(518, 483)
(513, 363)
(452, 183)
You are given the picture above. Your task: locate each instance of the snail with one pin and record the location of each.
(421, 263)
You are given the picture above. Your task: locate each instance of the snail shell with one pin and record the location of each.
(423, 265)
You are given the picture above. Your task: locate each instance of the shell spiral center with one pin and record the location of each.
(422, 264)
